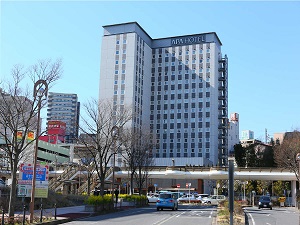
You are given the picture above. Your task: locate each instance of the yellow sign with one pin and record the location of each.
(281, 199)
(19, 135)
(30, 136)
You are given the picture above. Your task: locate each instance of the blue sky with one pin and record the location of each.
(261, 40)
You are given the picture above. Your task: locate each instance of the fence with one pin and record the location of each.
(41, 215)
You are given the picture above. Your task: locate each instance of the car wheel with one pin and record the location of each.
(271, 208)
(258, 207)
(161, 209)
(157, 209)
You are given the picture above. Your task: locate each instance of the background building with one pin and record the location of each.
(178, 86)
(56, 132)
(247, 135)
(65, 108)
(233, 132)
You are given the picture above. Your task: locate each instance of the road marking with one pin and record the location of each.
(180, 214)
(253, 223)
(166, 219)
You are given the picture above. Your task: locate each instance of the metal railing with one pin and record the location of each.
(40, 216)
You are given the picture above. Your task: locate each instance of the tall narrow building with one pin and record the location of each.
(178, 86)
(233, 132)
(66, 108)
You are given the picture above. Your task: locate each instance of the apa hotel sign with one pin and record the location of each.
(188, 40)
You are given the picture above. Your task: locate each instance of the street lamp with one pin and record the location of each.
(298, 160)
(40, 90)
(115, 134)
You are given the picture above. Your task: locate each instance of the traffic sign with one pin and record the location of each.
(178, 185)
(155, 185)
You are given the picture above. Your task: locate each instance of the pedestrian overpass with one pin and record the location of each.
(219, 173)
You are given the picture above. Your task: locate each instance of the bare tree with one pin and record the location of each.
(285, 153)
(137, 148)
(98, 127)
(18, 115)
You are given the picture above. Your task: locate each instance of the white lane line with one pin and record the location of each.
(180, 214)
(253, 222)
(165, 220)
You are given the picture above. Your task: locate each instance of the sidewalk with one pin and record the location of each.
(66, 214)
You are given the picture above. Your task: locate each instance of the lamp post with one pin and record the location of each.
(115, 134)
(40, 90)
(231, 188)
(298, 160)
(244, 183)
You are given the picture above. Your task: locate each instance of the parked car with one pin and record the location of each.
(265, 202)
(189, 198)
(166, 201)
(213, 199)
(152, 198)
(2, 183)
(203, 196)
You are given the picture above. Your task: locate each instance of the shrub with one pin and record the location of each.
(132, 198)
(98, 200)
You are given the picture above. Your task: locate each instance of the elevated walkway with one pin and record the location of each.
(215, 173)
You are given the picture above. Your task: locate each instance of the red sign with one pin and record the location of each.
(178, 185)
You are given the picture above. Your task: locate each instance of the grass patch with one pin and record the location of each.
(223, 217)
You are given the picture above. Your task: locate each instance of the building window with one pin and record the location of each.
(117, 52)
(207, 153)
(117, 61)
(123, 61)
(118, 42)
(124, 41)
(116, 72)
(124, 51)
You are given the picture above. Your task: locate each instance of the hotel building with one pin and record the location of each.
(177, 87)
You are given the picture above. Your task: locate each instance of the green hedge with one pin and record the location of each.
(99, 200)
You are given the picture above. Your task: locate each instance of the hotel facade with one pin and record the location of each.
(178, 90)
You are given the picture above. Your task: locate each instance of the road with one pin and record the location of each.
(203, 215)
(277, 216)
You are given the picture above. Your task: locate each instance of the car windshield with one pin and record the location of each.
(165, 196)
(265, 198)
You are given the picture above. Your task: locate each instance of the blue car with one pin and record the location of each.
(166, 201)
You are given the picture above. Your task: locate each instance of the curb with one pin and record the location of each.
(54, 222)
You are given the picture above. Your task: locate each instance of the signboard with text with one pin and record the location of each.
(25, 180)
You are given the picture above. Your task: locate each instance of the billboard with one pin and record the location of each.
(25, 180)
(55, 127)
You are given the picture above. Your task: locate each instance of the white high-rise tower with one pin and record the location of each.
(178, 86)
